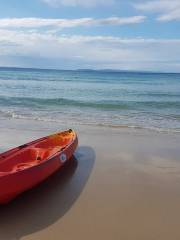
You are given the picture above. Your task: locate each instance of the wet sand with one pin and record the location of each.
(121, 184)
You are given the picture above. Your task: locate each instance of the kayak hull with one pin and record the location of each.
(19, 180)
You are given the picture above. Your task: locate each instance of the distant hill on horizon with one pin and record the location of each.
(86, 70)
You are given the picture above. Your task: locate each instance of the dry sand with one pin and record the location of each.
(121, 184)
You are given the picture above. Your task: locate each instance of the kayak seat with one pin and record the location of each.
(22, 166)
(27, 158)
(37, 155)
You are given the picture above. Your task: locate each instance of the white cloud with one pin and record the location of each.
(83, 3)
(64, 51)
(67, 23)
(168, 9)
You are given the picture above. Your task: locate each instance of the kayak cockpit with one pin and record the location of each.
(25, 159)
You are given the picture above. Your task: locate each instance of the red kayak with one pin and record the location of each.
(25, 166)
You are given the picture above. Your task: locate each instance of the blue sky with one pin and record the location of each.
(71, 34)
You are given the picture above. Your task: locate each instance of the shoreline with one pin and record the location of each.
(12, 117)
(27, 130)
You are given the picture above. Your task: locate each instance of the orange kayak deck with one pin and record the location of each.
(25, 166)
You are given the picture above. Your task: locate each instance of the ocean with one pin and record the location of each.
(100, 98)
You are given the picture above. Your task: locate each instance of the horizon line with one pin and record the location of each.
(88, 69)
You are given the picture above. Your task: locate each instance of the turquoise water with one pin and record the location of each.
(113, 99)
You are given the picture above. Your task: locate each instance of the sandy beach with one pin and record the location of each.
(121, 184)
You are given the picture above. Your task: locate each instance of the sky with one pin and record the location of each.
(138, 35)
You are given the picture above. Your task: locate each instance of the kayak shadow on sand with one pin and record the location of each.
(42, 206)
